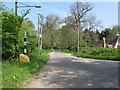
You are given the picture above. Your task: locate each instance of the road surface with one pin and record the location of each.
(66, 71)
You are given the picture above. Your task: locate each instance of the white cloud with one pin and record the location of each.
(55, 10)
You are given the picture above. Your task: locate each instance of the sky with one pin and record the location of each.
(107, 12)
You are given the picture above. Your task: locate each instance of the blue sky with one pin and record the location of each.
(105, 11)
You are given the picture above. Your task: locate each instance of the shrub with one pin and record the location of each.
(66, 50)
(99, 53)
(118, 53)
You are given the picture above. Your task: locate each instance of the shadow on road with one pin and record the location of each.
(66, 71)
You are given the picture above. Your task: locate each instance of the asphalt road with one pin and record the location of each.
(66, 71)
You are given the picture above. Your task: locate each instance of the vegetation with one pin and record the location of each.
(55, 36)
(13, 28)
(109, 33)
(66, 37)
(97, 53)
(118, 51)
(15, 72)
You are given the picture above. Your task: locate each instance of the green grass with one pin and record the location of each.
(15, 72)
(98, 53)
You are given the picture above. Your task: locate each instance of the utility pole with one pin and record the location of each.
(40, 20)
(16, 6)
(38, 31)
(78, 36)
(78, 26)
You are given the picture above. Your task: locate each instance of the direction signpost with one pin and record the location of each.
(26, 42)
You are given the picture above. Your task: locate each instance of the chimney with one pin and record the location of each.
(117, 35)
(104, 42)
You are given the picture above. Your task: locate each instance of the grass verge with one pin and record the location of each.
(98, 53)
(15, 72)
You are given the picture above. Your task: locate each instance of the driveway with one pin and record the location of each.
(66, 71)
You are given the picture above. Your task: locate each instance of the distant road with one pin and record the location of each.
(66, 71)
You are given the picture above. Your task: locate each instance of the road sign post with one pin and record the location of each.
(25, 45)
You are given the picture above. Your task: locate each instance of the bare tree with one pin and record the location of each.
(92, 23)
(78, 12)
(69, 20)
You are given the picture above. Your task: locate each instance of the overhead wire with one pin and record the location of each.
(23, 4)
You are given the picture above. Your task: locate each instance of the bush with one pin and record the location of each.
(118, 53)
(84, 45)
(99, 53)
(66, 50)
(13, 28)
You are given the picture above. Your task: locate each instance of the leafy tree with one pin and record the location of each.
(51, 24)
(89, 38)
(10, 30)
(13, 28)
(106, 33)
(97, 34)
(109, 32)
(78, 11)
(68, 37)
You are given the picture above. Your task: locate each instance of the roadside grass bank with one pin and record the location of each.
(97, 53)
(15, 72)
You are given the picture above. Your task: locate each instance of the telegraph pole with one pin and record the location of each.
(78, 27)
(78, 37)
(40, 19)
(38, 31)
(16, 6)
